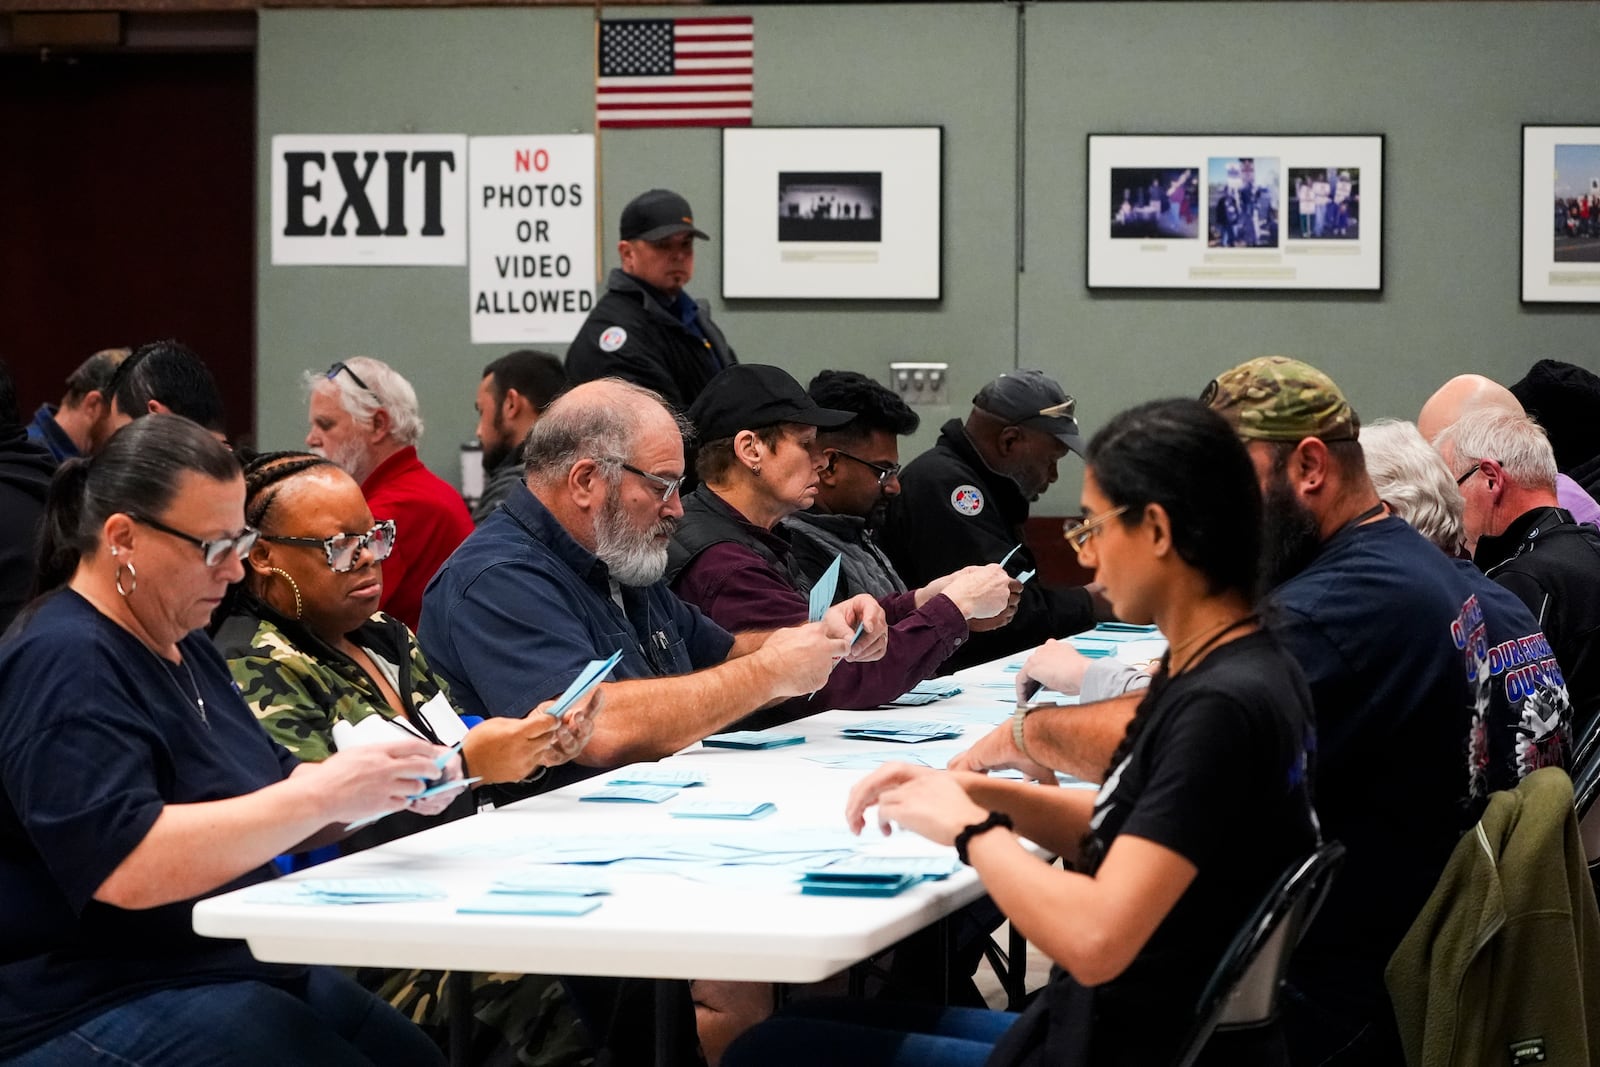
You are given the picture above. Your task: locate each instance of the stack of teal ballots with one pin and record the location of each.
(927, 692)
(874, 876)
(908, 733)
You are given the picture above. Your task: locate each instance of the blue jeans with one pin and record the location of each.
(335, 1023)
(867, 1033)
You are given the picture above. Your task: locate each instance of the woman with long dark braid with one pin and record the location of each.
(1204, 805)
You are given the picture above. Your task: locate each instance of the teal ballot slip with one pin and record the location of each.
(1007, 557)
(514, 904)
(657, 776)
(632, 794)
(752, 739)
(562, 882)
(723, 809)
(822, 592)
(888, 886)
(591, 676)
(862, 867)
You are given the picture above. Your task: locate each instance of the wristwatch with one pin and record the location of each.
(1018, 717)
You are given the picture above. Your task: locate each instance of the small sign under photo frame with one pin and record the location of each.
(1561, 214)
(832, 212)
(1234, 211)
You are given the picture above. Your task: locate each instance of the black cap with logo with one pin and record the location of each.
(658, 214)
(749, 396)
(1033, 399)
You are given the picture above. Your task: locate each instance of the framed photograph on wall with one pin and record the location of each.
(832, 212)
(1561, 214)
(1235, 212)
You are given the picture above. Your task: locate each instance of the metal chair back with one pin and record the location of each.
(1243, 990)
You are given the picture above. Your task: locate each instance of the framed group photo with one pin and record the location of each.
(1235, 212)
(1561, 214)
(832, 212)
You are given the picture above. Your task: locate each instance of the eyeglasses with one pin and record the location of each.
(884, 471)
(668, 486)
(1474, 469)
(1078, 536)
(343, 548)
(214, 551)
(341, 365)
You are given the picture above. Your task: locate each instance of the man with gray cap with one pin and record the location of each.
(646, 329)
(964, 502)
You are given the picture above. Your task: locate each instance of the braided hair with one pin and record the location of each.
(264, 475)
(1183, 456)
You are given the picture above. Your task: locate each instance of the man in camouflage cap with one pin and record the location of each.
(1377, 619)
(1276, 398)
(1414, 728)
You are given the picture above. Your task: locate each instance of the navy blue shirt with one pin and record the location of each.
(97, 735)
(521, 607)
(1432, 687)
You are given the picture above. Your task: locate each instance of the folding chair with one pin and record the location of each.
(1243, 990)
(1585, 787)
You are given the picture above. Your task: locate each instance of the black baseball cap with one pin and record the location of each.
(749, 396)
(1031, 398)
(656, 214)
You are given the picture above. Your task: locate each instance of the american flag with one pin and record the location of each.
(676, 72)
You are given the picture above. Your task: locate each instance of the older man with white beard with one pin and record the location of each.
(569, 570)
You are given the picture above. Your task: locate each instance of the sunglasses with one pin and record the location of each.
(341, 365)
(1078, 536)
(343, 548)
(215, 550)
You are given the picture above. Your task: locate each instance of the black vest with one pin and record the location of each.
(708, 521)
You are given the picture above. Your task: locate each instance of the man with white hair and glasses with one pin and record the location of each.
(1519, 536)
(364, 418)
(570, 569)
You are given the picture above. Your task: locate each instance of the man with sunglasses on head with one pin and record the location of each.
(965, 500)
(364, 418)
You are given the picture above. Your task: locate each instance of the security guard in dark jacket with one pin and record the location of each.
(646, 329)
(964, 501)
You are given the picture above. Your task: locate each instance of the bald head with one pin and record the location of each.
(1461, 395)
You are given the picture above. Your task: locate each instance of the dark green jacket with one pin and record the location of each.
(1503, 964)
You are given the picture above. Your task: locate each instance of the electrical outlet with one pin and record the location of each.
(924, 384)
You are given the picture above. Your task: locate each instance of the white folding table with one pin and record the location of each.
(660, 926)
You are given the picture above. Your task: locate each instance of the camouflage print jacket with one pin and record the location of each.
(299, 686)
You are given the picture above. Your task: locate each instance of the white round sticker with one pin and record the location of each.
(614, 338)
(967, 499)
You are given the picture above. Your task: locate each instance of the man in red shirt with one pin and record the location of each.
(364, 418)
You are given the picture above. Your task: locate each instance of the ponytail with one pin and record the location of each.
(60, 543)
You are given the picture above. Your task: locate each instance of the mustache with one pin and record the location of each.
(665, 528)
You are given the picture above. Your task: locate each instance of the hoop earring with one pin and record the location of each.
(116, 577)
(286, 576)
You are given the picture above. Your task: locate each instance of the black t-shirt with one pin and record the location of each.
(1219, 775)
(1433, 687)
(97, 734)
